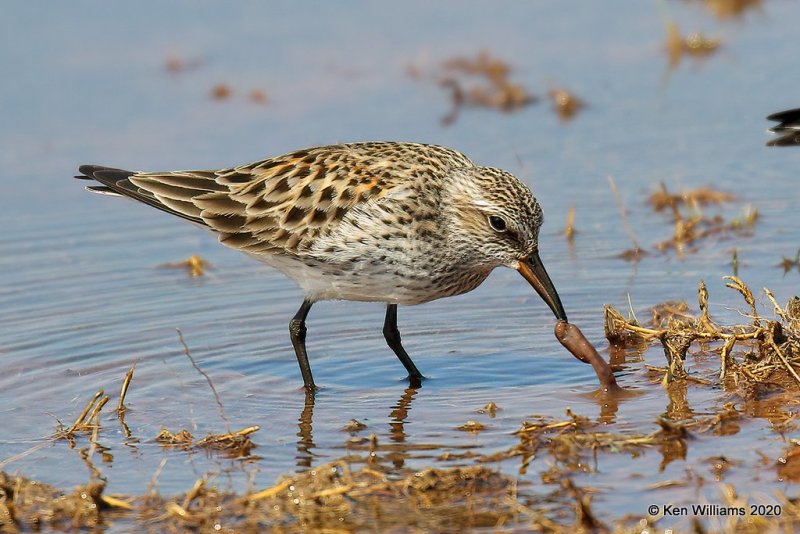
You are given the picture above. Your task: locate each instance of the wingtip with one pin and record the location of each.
(92, 171)
(780, 116)
(88, 170)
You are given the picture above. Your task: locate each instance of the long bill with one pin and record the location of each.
(532, 269)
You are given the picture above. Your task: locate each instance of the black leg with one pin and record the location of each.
(297, 331)
(392, 336)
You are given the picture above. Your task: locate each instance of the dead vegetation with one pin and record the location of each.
(28, 505)
(788, 264)
(176, 65)
(691, 223)
(330, 497)
(691, 198)
(569, 229)
(678, 45)
(195, 266)
(730, 9)
(482, 81)
(223, 91)
(230, 444)
(695, 45)
(764, 351)
(565, 104)
(235, 444)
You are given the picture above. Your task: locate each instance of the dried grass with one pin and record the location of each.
(768, 350)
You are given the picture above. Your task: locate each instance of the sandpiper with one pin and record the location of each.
(394, 222)
(788, 130)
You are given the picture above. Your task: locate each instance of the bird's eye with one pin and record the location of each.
(498, 224)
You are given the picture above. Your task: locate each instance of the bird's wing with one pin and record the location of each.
(788, 128)
(279, 205)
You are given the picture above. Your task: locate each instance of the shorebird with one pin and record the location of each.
(788, 129)
(394, 222)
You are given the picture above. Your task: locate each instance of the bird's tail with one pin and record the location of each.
(117, 182)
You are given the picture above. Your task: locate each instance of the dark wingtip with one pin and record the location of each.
(788, 128)
(92, 170)
(88, 170)
(782, 116)
(790, 139)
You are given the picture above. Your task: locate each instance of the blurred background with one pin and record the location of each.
(672, 92)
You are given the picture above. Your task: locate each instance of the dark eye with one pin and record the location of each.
(497, 223)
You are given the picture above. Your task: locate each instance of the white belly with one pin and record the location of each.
(369, 281)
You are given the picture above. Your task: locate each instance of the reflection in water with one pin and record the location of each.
(779, 408)
(397, 433)
(678, 407)
(305, 443)
(609, 405)
(397, 426)
(609, 402)
(673, 445)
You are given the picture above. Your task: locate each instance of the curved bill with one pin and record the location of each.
(533, 271)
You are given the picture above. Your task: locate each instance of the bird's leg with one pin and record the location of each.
(392, 336)
(297, 331)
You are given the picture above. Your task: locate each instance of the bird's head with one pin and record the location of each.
(495, 219)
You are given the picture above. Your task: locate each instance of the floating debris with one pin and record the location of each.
(175, 65)
(730, 9)
(221, 92)
(224, 92)
(569, 229)
(693, 226)
(695, 44)
(195, 266)
(490, 408)
(472, 427)
(481, 81)
(689, 223)
(258, 96)
(181, 439)
(565, 104)
(234, 444)
(702, 196)
(790, 263)
(354, 426)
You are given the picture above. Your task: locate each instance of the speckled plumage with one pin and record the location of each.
(401, 223)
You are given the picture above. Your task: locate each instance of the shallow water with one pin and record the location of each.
(82, 296)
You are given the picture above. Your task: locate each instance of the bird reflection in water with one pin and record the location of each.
(397, 433)
(305, 434)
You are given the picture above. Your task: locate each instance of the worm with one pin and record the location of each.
(574, 341)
